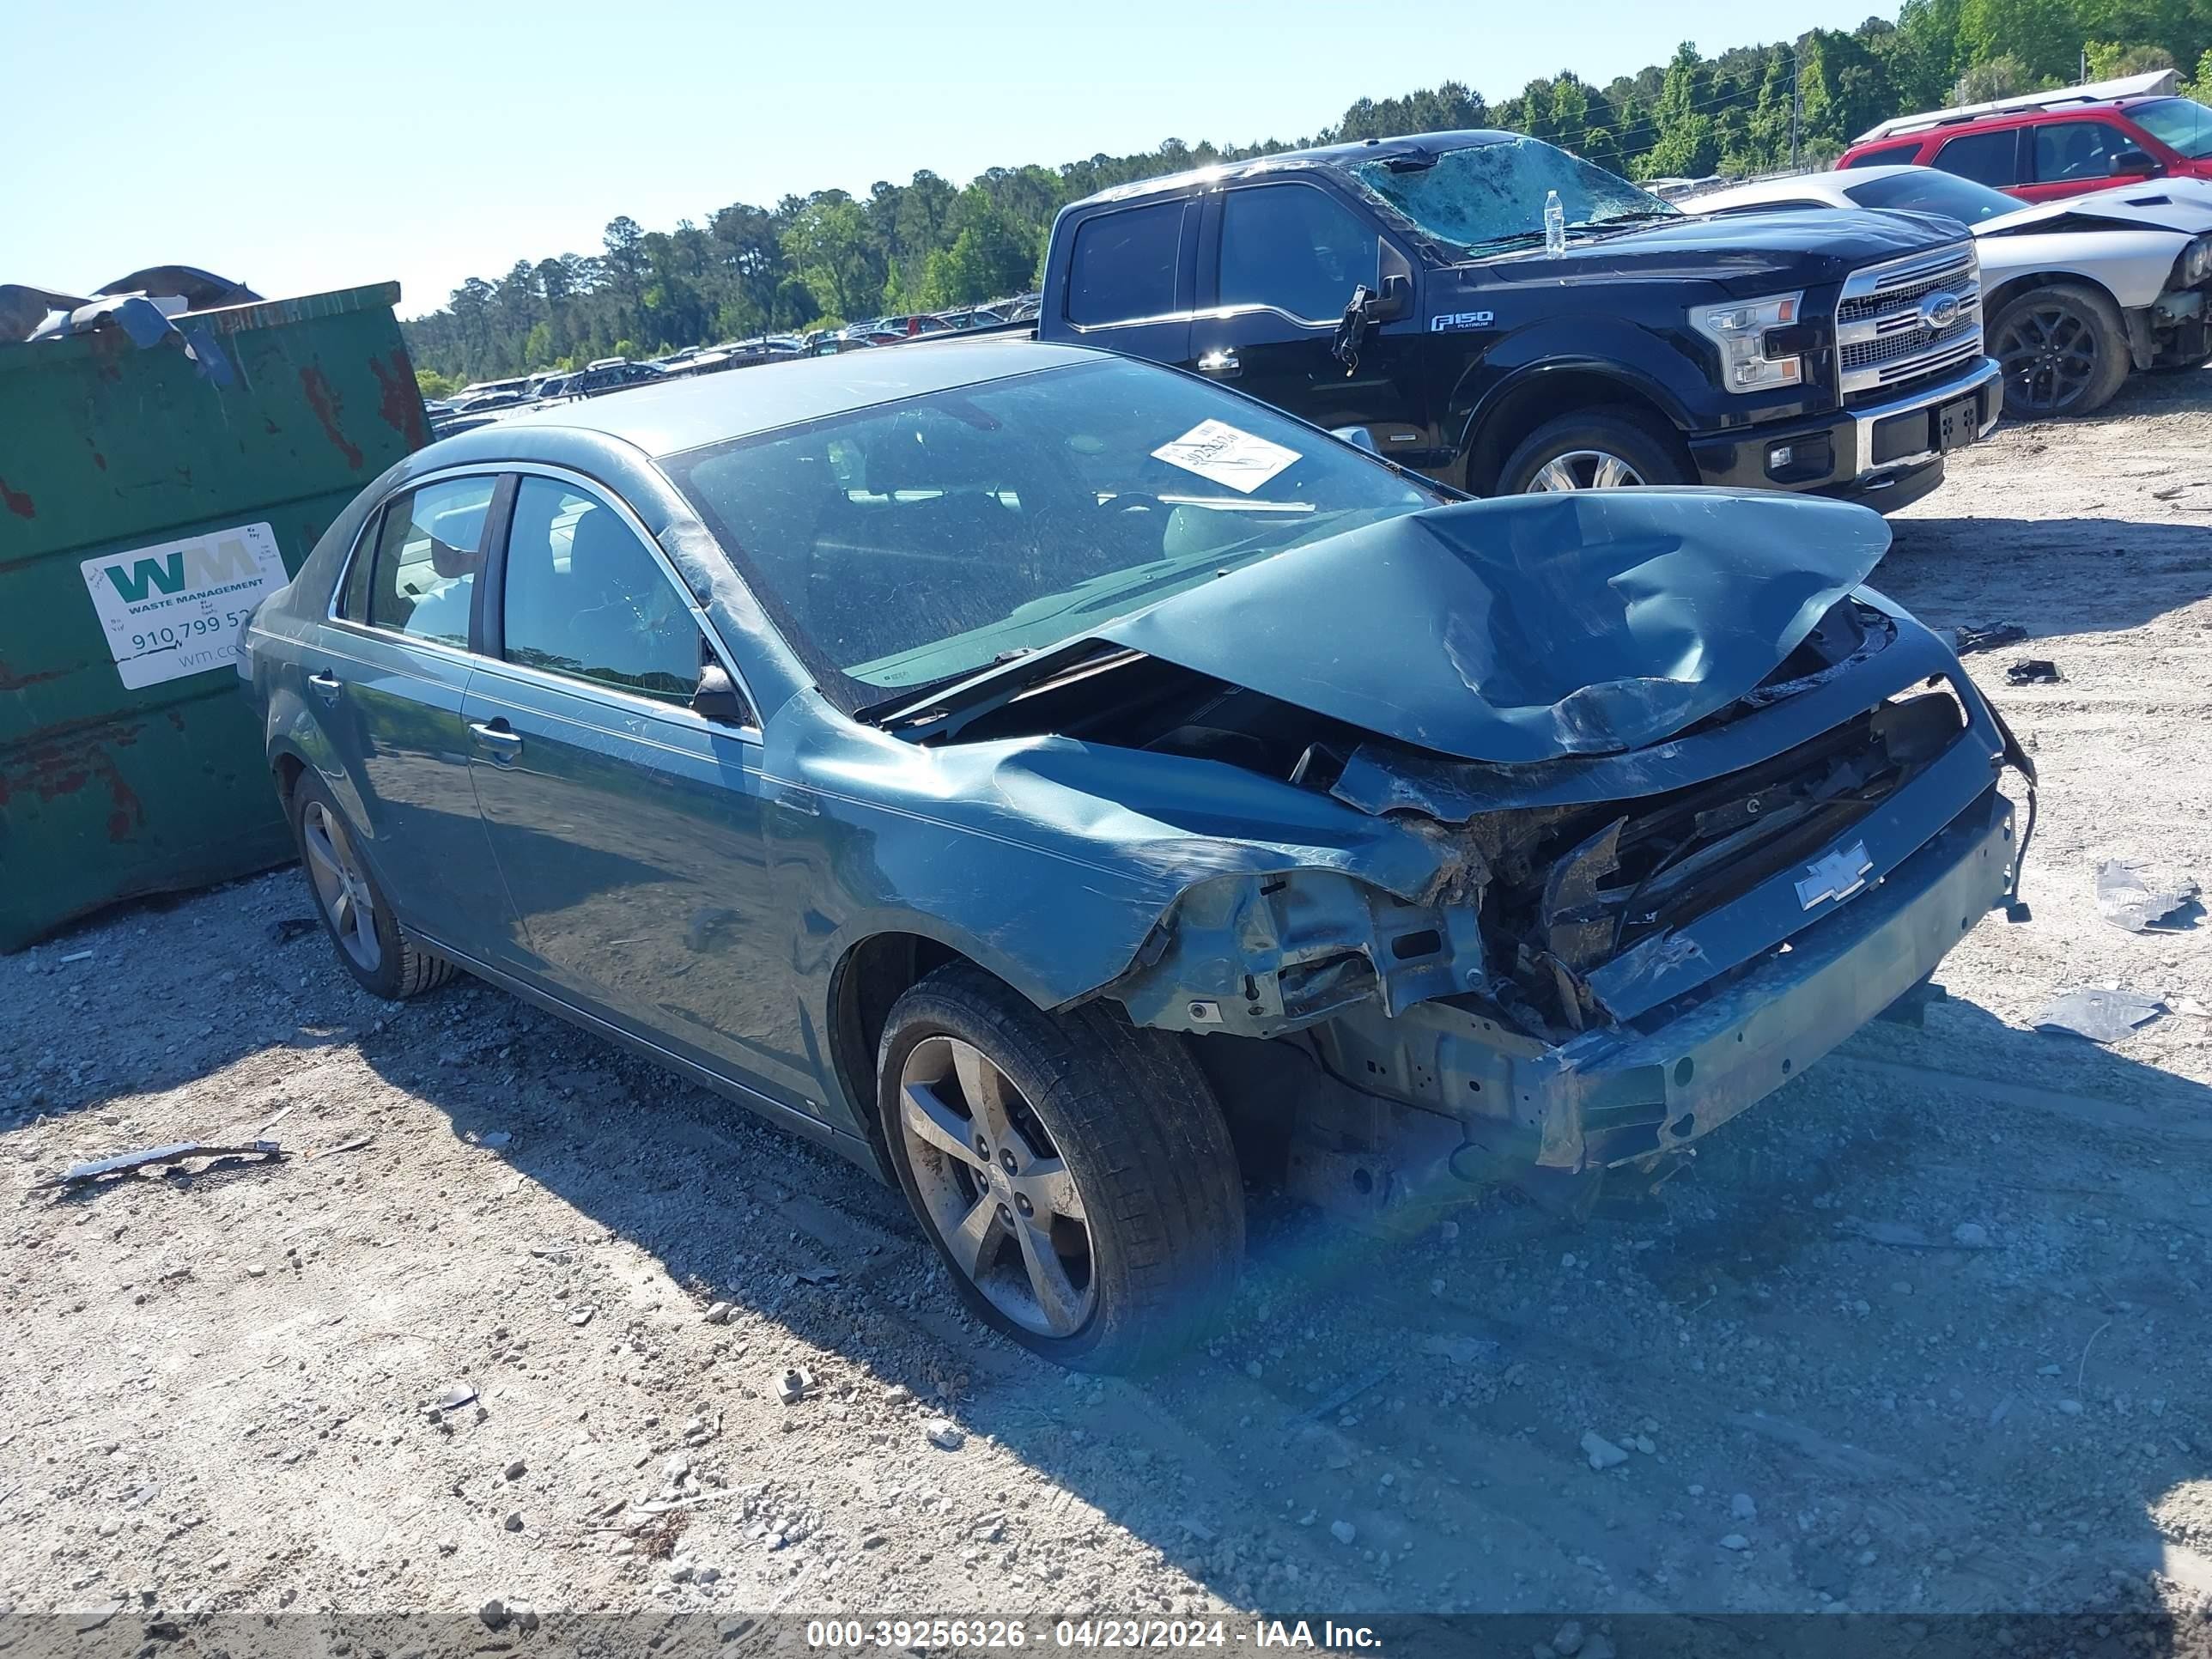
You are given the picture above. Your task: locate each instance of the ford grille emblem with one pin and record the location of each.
(1939, 311)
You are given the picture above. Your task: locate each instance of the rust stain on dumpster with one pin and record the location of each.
(401, 403)
(17, 501)
(11, 681)
(324, 403)
(63, 760)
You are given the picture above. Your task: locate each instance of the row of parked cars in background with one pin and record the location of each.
(486, 400)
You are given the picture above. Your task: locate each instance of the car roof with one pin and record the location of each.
(1998, 119)
(1753, 192)
(1333, 157)
(686, 413)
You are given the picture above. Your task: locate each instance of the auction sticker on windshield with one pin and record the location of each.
(1218, 452)
(176, 608)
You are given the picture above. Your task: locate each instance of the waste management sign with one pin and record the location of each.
(177, 609)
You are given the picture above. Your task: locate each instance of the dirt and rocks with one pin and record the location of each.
(1925, 1332)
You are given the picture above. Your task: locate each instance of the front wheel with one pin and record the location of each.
(2063, 349)
(1074, 1172)
(1594, 449)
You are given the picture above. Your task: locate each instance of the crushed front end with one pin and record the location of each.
(1619, 951)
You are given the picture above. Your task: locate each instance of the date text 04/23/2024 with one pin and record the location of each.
(1090, 1633)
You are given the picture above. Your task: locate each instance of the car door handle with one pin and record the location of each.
(327, 685)
(496, 735)
(1221, 363)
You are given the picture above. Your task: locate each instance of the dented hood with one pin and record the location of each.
(1528, 627)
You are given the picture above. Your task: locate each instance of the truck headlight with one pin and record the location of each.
(1750, 360)
(2197, 260)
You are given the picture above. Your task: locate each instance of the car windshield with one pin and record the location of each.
(1930, 189)
(913, 543)
(2182, 123)
(1486, 197)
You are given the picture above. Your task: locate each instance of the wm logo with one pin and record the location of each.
(198, 566)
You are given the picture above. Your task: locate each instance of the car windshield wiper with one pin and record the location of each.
(1633, 216)
(1507, 238)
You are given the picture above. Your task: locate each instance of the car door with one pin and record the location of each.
(1278, 263)
(627, 825)
(1130, 284)
(2070, 158)
(385, 680)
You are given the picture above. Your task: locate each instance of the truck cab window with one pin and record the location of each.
(1123, 267)
(1294, 248)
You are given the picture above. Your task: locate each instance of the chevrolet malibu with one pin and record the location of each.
(1068, 788)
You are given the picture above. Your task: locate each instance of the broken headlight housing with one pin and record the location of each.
(1752, 358)
(2197, 261)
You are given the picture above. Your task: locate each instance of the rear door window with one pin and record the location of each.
(1123, 266)
(1987, 158)
(1888, 155)
(2069, 152)
(428, 551)
(1295, 248)
(586, 599)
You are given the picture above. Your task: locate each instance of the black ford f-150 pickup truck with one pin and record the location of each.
(1404, 287)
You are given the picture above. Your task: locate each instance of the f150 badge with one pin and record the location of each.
(1836, 875)
(1451, 322)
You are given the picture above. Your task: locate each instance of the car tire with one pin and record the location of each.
(2064, 351)
(1108, 1131)
(1595, 449)
(388, 961)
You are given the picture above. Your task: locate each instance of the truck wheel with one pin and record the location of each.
(2063, 349)
(374, 948)
(1594, 449)
(1074, 1171)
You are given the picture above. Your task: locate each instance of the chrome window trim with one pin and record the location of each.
(621, 508)
(599, 691)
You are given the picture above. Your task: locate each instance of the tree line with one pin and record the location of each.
(830, 257)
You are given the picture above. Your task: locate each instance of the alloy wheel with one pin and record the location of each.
(1585, 469)
(341, 884)
(995, 1187)
(2049, 355)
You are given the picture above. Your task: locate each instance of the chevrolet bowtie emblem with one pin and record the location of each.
(1836, 876)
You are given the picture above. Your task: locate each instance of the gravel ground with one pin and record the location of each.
(1925, 1332)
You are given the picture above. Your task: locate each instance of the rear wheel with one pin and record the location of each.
(1074, 1172)
(2063, 349)
(1594, 449)
(374, 948)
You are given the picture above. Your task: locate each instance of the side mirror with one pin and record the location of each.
(1395, 300)
(1364, 437)
(2132, 161)
(716, 698)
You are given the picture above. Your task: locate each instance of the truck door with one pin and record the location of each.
(1129, 280)
(1277, 264)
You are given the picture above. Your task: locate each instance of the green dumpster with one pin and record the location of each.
(148, 498)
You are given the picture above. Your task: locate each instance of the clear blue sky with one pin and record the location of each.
(300, 148)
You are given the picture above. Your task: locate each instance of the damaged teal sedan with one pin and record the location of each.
(1069, 789)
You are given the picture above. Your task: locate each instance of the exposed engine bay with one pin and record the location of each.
(1553, 891)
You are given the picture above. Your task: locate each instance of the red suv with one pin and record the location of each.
(2055, 144)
